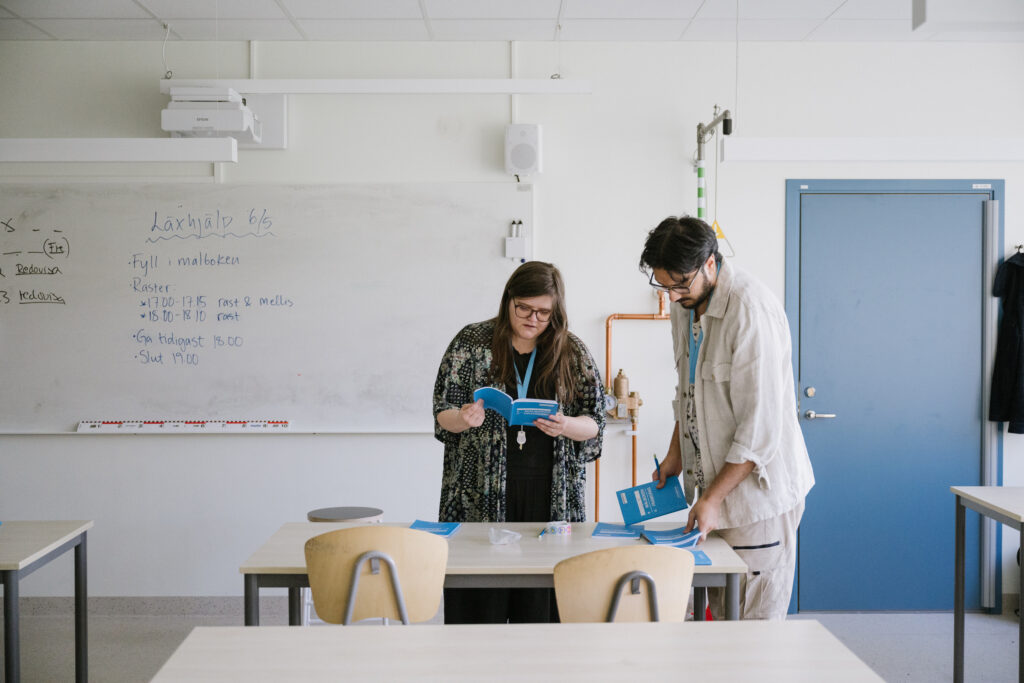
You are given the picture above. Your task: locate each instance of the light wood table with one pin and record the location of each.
(473, 562)
(1004, 504)
(735, 651)
(24, 548)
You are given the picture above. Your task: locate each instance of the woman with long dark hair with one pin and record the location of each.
(494, 472)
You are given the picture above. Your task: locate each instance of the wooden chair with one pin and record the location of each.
(589, 587)
(376, 571)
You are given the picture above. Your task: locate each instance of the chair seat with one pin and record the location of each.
(345, 514)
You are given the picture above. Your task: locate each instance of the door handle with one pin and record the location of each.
(811, 415)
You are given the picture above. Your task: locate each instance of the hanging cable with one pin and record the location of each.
(168, 74)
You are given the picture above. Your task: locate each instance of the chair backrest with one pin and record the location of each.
(419, 557)
(585, 585)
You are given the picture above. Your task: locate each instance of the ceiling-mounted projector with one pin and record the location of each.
(210, 112)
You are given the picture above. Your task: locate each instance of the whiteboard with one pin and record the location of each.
(329, 306)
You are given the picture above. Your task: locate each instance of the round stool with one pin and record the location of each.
(345, 514)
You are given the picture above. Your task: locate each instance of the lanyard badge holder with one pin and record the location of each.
(521, 387)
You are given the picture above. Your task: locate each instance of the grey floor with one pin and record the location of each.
(898, 646)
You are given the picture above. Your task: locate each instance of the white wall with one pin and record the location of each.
(176, 516)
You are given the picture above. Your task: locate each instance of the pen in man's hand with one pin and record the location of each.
(657, 466)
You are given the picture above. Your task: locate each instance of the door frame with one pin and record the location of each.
(991, 539)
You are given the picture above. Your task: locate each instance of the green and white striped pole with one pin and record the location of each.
(701, 189)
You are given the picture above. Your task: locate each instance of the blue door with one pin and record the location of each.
(887, 338)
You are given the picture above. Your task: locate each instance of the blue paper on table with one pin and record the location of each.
(522, 411)
(439, 528)
(606, 530)
(678, 538)
(646, 501)
(700, 558)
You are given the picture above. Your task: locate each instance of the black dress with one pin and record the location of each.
(528, 499)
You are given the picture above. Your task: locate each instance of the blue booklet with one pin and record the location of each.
(439, 528)
(646, 501)
(700, 558)
(522, 411)
(606, 530)
(678, 538)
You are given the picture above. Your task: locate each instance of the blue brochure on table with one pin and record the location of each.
(700, 558)
(646, 501)
(522, 411)
(606, 530)
(678, 538)
(439, 528)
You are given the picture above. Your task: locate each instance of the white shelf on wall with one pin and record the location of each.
(872, 149)
(154, 150)
(389, 86)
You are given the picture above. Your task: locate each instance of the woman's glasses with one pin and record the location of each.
(526, 312)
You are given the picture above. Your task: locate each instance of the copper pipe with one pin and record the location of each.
(634, 451)
(662, 314)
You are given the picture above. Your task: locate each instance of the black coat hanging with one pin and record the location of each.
(1007, 401)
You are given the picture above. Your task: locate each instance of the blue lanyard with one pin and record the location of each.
(522, 386)
(694, 347)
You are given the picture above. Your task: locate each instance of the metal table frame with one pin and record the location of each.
(958, 601)
(10, 580)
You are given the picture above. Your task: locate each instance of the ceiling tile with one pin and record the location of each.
(363, 29)
(234, 29)
(725, 30)
(102, 29)
(877, 30)
(768, 9)
(353, 9)
(1014, 33)
(630, 9)
(623, 29)
(64, 9)
(483, 29)
(16, 29)
(492, 9)
(221, 9)
(874, 9)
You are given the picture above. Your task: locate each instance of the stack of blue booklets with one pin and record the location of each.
(679, 538)
(439, 528)
(606, 530)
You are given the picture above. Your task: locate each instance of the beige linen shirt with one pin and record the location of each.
(745, 399)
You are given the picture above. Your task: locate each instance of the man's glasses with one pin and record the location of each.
(677, 288)
(525, 312)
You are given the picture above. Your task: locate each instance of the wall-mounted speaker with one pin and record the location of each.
(522, 148)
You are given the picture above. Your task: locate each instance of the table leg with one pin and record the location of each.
(1020, 622)
(732, 597)
(12, 653)
(81, 615)
(958, 596)
(700, 604)
(252, 600)
(295, 607)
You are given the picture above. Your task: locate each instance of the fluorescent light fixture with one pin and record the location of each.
(390, 86)
(119, 149)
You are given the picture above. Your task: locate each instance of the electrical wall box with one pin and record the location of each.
(515, 248)
(210, 112)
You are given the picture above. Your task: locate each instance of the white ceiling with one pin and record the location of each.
(504, 20)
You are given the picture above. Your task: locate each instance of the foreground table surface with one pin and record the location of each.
(760, 651)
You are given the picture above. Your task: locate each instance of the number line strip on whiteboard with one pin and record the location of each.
(181, 426)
